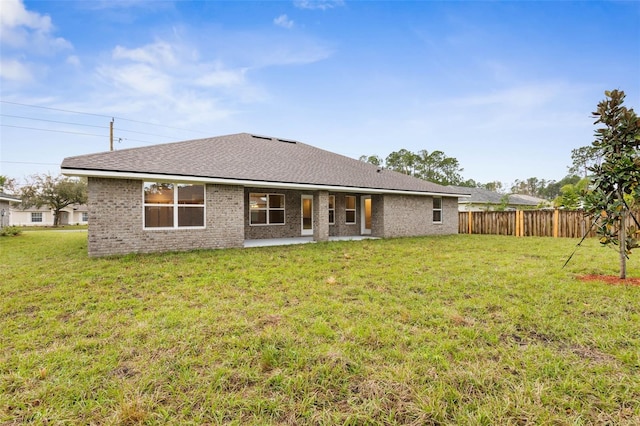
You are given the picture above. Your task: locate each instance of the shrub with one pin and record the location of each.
(10, 231)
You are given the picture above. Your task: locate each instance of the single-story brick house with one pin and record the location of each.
(218, 192)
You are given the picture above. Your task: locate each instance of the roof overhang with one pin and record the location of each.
(243, 182)
(10, 199)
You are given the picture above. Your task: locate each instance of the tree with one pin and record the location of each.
(403, 161)
(437, 167)
(7, 184)
(495, 186)
(571, 194)
(618, 174)
(583, 159)
(532, 186)
(372, 159)
(53, 192)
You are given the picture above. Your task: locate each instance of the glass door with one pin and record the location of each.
(366, 214)
(307, 215)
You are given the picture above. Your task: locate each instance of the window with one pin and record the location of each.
(36, 217)
(266, 209)
(85, 217)
(350, 208)
(173, 205)
(437, 210)
(332, 209)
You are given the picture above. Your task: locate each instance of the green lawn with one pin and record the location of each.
(464, 329)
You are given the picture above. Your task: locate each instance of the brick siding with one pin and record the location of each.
(407, 215)
(116, 220)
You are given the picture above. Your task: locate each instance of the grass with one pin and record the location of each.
(462, 329)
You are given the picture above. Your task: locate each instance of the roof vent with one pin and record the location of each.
(267, 138)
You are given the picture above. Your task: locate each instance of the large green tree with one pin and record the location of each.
(54, 192)
(433, 166)
(617, 175)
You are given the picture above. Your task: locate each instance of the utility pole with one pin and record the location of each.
(111, 134)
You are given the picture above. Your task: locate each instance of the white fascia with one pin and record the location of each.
(241, 182)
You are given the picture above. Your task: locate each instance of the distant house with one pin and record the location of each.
(484, 200)
(43, 216)
(222, 191)
(5, 208)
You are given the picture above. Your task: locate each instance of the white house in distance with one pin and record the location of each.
(75, 214)
(5, 208)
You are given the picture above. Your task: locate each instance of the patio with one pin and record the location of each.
(299, 240)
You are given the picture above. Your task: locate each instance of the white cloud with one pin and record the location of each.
(138, 78)
(222, 78)
(14, 70)
(22, 29)
(73, 60)
(520, 97)
(283, 21)
(159, 53)
(318, 4)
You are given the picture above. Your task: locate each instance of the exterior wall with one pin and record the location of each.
(293, 216)
(5, 214)
(69, 216)
(21, 217)
(116, 220)
(341, 228)
(292, 226)
(410, 215)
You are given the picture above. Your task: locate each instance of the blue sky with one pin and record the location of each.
(507, 88)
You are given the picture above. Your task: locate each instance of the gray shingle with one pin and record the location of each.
(247, 157)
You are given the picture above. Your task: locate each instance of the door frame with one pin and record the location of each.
(305, 232)
(363, 214)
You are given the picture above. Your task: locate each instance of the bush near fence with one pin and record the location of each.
(530, 223)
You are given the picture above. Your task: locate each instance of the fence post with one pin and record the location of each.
(556, 222)
(517, 223)
(521, 230)
(469, 226)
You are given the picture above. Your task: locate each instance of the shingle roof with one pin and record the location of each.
(252, 158)
(485, 196)
(7, 197)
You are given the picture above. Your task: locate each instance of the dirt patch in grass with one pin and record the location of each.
(610, 279)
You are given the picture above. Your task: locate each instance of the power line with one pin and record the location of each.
(51, 130)
(86, 125)
(53, 121)
(29, 162)
(54, 109)
(102, 115)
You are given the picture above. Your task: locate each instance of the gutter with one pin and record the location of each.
(245, 182)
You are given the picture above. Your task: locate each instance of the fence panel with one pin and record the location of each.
(535, 223)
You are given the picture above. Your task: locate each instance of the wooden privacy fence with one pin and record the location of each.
(529, 223)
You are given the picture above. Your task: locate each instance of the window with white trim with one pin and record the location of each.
(332, 209)
(85, 217)
(36, 217)
(350, 209)
(437, 210)
(173, 205)
(266, 209)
